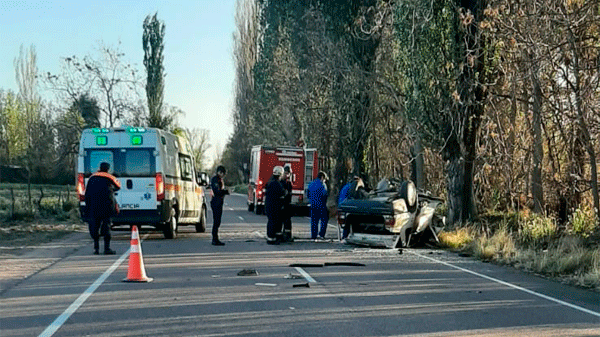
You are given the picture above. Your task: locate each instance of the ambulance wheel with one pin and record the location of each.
(201, 225)
(170, 229)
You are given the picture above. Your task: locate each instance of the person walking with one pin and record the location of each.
(218, 193)
(317, 193)
(286, 212)
(101, 205)
(274, 195)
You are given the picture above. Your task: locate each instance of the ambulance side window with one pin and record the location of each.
(185, 164)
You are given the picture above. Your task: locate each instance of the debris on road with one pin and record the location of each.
(248, 272)
(306, 265)
(266, 284)
(301, 285)
(350, 264)
(292, 276)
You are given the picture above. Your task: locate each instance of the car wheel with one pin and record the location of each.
(170, 229)
(250, 207)
(201, 225)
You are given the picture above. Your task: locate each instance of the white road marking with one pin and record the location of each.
(60, 320)
(239, 217)
(531, 292)
(261, 234)
(231, 208)
(306, 275)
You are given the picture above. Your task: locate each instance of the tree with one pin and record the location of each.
(199, 141)
(106, 78)
(153, 43)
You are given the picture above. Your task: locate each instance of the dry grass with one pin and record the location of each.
(534, 243)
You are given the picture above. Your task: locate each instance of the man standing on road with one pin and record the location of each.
(274, 195)
(317, 193)
(286, 212)
(343, 196)
(101, 205)
(218, 193)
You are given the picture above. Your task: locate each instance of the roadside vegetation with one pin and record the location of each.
(534, 243)
(37, 215)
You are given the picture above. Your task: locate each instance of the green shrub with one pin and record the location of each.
(536, 229)
(583, 221)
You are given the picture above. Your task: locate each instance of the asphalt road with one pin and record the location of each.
(338, 290)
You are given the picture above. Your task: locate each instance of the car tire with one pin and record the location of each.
(170, 229)
(201, 225)
(404, 195)
(250, 207)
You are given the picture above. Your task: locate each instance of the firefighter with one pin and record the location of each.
(286, 212)
(275, 193)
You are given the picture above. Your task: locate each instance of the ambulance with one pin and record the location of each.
(303, 163)
(160, 187)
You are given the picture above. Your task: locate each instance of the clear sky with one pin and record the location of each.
(198, 47)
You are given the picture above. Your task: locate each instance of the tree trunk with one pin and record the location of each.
(418, 164)
(537, 189)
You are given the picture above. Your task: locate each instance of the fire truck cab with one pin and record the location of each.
(303, 166)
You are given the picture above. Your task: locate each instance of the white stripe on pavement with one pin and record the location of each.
(241, 218)
(306, 275)
(60, 320)
(52, 328)
(531, 292)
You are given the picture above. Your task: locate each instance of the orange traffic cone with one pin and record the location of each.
(136, 272)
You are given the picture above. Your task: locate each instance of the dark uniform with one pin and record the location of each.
(274, 196)
(286, 212)
(218, 193)
(101, 205)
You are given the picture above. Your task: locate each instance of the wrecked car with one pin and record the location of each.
(393, 215)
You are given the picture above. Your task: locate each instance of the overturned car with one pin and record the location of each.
(394, 215)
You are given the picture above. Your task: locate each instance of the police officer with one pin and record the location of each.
(101, 205)
(274, 195)
(218, 193)
(286, 212)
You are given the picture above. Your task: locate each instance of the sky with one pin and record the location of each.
(198, 54)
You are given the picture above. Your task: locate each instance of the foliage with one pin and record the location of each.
(583, 221)
(153, 43)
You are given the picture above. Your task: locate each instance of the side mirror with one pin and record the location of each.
(202, 178)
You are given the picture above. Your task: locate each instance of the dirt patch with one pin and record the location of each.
(16, 237)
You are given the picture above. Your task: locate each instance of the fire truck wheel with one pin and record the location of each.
(201, 224)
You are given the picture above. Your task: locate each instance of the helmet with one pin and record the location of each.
(277, 170)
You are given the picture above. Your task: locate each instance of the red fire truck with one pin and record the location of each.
(302, 162)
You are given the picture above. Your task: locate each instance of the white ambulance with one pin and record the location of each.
(159, 185)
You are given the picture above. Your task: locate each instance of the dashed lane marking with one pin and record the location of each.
(306, 275)
(239, 217)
